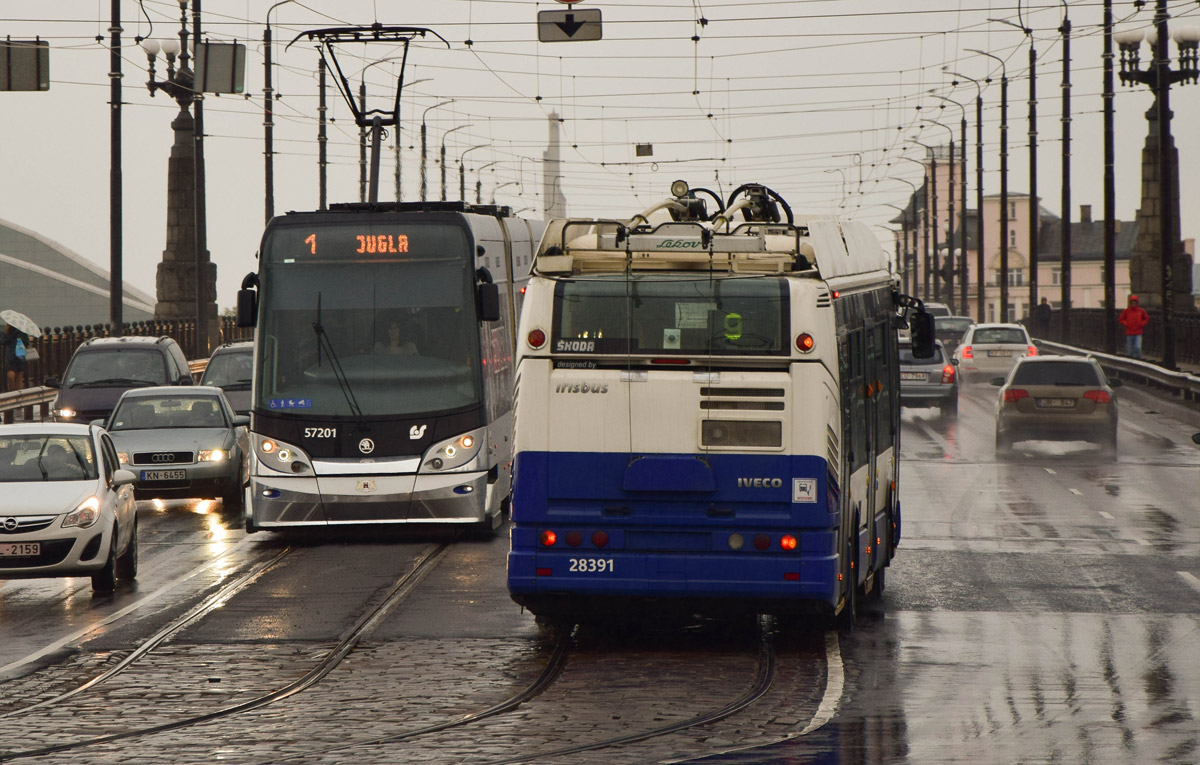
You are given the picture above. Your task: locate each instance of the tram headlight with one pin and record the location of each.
(279, 456)
(458, 454)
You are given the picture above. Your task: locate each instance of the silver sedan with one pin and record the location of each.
(68, 506)
(181, 442)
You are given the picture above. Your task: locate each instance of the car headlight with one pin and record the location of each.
(280, 456)
(458, 453)
(66, 414)
(213, 455)
(85, 515)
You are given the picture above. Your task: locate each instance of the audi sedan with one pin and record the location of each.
(988, 350)
(68, 508)
(929, 382)
(1056, 398)
(181, 443)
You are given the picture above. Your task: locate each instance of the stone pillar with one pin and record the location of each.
(176, 278)
(1145, 271)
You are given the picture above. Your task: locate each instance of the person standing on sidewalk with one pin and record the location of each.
(1134, 319)
(1042, 314)
(15, 343)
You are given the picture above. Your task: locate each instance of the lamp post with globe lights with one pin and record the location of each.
(1159, 77)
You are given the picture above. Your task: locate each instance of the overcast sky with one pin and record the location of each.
(814, 98)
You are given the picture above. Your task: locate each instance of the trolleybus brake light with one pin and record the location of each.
(788, 542)
(548, 538)
(574, 538)
(805, 342)
(761, 542)
(536, 339)
(600, 538)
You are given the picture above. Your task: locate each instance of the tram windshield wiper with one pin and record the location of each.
(339, 375)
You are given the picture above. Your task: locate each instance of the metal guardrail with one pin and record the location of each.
(1184, 384)
(25, 400)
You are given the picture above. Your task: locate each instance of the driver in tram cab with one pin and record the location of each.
(397, 342)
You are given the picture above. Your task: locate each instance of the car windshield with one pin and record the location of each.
(46, 457)
(150, 413)
(999, 335)
(906, 356)
(232, 369)
(127, 367)
(1056, 373)
(951, 325)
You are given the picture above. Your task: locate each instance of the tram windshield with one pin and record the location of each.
(395, 304)
(672, 315)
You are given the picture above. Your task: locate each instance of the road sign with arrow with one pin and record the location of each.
(569, 26)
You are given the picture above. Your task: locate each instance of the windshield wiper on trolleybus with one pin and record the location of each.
(336, 365)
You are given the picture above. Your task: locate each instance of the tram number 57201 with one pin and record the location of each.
(591, 565)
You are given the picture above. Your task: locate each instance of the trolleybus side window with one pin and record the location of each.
(854, 399)
(881, 376)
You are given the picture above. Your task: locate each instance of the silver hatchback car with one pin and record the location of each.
(988, 350)
(68, 506)
(929, 382)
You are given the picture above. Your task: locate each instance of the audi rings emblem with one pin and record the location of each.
(10, 524)
(161, 458)
(366, 446)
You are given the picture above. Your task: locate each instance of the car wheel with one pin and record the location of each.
(127, 562)
(950, 408)
(104, 581)
(234, 497)
(1004, 445)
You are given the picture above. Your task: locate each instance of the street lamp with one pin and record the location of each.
(424, 152)
(502, 185)
(462, 171)
(907, 228)
(1003, 313)
(981, 282)
(931, 221)
(937, 266)
(443, 156)
(269, 115)
(962, 215)
(924, 238)
(479, 181)
(185, 213)
(1159, 78)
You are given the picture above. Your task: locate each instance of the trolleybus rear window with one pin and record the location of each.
(671, 315)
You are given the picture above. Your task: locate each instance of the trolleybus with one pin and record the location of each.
(382, 390)
(707, 413)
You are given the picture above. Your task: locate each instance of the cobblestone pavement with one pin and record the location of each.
(389, 688)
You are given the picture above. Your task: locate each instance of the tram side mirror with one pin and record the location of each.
(1196, 438)
(488, 299)
(920, 328)
(247, 301)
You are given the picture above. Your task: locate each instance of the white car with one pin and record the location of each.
(991, 350)
(68, 507)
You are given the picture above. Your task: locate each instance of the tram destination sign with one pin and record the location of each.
(575, 25)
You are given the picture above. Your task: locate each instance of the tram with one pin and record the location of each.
(707, 413)
(384, 340)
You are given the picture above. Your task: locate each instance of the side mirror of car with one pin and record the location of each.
(122, 477)
(52, 382)
(99, 423)
(185, 380)
(997, 381)
(241, 420)
(954, 362)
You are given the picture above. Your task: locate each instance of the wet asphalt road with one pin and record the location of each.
(1044, 608)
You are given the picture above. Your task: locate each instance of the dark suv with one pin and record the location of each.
(230, 369)
(105, 367)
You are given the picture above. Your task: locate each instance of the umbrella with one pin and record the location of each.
(21, 322)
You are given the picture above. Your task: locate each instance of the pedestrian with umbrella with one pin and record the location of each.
(19, 328)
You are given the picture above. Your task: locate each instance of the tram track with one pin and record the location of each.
(400, 590)
(206, 606)
(764, 677)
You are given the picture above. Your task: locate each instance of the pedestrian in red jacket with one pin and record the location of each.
(1134, 319)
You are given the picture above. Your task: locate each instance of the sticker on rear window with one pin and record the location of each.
(289, 403)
